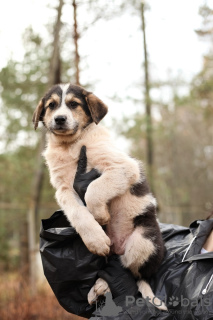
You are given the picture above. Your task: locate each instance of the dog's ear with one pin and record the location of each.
(38, 114)
(96, 107)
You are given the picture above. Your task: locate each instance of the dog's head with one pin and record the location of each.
(68, 109)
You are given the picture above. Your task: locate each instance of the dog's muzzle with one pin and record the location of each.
(61, 125)
(60, 120)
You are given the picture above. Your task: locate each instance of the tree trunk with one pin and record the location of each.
(76, 38)
(33, 216)
(24, 256)
(149, 142)
(54, 77)
(55, 63)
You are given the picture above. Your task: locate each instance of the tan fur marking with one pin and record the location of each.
(97, 108)
(37, 113)
(54, 98)
(70, 97)
(48, 116)
(80, 115)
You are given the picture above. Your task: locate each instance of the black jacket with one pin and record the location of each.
(184, 280)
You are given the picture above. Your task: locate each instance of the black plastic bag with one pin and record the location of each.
(69, 267)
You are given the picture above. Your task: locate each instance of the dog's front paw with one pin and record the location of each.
(96, 240)
(99, 289)
(101, 215)
(96, 206)
(99, 212)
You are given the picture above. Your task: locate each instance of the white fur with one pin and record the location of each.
(147, 292)
(99, 289)
(64, 110)
(138, 249)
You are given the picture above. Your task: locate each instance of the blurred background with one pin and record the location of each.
(152, 63)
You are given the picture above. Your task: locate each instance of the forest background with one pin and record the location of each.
(159, 111)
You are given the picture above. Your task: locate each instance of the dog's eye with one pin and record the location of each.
(73, 104)
(51, 105)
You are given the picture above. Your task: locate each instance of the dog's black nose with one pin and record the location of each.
(60, 119)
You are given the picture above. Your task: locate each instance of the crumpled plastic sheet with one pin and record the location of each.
(70, 268)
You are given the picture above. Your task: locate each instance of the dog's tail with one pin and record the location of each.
(147, 292)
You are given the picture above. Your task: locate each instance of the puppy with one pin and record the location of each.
(120, 198)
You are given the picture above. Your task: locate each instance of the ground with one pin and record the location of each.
(16, 302)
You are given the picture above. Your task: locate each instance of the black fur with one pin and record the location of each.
(151, 231)
(55, 89)
(79, 93)
(147, 219)
(140, 189)
(152, 265)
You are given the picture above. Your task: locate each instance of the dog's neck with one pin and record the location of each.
(65, 140)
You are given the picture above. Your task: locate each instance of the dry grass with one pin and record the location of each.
(17, 304)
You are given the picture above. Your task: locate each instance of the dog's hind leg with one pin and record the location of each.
(140, 254)
(147, 292)
(99, 289)
(138, 250)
